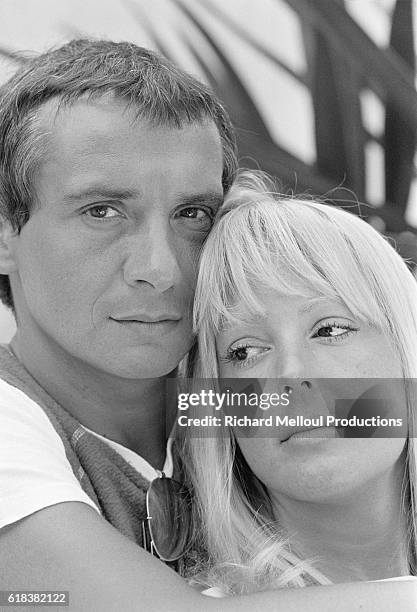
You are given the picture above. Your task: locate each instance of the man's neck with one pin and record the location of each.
(132, 412)
(363, 539)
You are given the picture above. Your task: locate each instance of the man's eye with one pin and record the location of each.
(199, 217)
(102, 211)
(194, 213)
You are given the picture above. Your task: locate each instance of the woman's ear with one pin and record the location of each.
(8, 238)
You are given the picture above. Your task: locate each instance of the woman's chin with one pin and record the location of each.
(329, 470)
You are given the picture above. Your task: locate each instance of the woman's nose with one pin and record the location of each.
(291, 364)
(294, 369)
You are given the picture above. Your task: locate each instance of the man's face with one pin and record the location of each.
(105, 266)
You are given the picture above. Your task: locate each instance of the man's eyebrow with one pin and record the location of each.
(211, 198)
(101, 193)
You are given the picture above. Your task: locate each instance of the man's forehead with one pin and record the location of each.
(102, 131)
(98, 113)
(94, 147)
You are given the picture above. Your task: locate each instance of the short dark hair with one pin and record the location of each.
(160, 92)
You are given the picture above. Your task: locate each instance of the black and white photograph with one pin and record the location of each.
(208, 305)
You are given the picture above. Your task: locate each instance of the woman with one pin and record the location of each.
(303, 291)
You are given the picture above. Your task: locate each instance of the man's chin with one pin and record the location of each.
(146, 362)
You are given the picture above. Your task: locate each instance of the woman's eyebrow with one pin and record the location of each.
(244, 321)
(308, 306)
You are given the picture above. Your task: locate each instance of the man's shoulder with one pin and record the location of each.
(34, 470)
(20, 411)
(10, 391)
(25, 404)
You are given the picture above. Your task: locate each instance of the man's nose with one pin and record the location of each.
(152, 260)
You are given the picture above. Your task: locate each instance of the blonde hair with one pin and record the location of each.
(297, 246)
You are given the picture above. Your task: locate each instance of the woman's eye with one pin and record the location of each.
(334, 331)
(244, 354)
(102, 211)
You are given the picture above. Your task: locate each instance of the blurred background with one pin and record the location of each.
(322, 92)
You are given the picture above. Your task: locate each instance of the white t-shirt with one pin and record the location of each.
(34, 470)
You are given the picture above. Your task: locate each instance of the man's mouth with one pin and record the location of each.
(148, 325)
(147, 318)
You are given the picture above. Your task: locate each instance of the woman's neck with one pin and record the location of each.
(363, 538)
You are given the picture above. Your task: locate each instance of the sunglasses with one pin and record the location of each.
(167, 528)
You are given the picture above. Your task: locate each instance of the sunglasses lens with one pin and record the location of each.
(169, 505)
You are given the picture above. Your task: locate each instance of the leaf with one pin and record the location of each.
(384, 71)
(400, 137)
(227, 82)
(246, 35)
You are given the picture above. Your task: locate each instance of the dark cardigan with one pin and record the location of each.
(110, 481)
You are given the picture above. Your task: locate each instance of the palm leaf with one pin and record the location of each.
(297, 176)
(337, 115)
(400, 138)
(226, 83)
(245, 35)
(383, 70)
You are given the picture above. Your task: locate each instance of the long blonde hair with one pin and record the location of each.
(297, 246)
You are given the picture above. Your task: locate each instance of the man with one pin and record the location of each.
(113, 164)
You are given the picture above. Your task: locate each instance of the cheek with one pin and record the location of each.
(372, 358)
(377, 357)
(226, 370)
(63, 270)
(188, 254)
(384, 363)
(261, 455)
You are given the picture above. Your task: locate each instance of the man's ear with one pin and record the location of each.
(8, 239)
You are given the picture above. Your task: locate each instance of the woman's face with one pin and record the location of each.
(321, 350)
